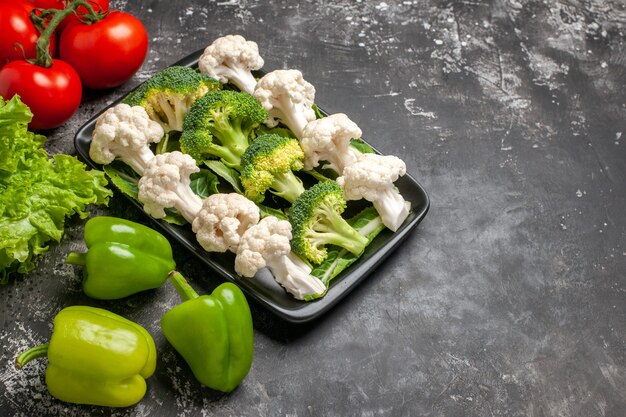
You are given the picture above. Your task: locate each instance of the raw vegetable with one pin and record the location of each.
(37, 192)
(18, 34)
(219, 125)
(222, 220)
(125, 133)
(53, 93)
(123, 258)
(317, 222)
(329, 139)
(106, 52)
(371, 177)
(166, 184)
(267, 245)
(213, 333)
(50, 87)
(203, 184)
(369, 224)
(229, 174)
(269, 164)
(99, 6)
(169, 94)
(232, 59)
(288, 98)
(96, 357)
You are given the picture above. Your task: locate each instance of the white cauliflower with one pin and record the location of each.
(125, 132)
(222, 221)
(288, 98)
(166, 184)
(371, 177)
(231, 58)
(267, 245)
(328, 139)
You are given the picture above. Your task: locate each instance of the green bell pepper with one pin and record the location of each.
(96, 357)
(123, 258)
(213, 333)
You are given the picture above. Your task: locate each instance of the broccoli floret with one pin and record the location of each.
(219, 125)
(268, 164)
(316, 220)
(169, 94)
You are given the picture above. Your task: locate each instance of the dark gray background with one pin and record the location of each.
(508, 300)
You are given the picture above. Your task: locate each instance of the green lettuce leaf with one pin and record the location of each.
(361, 146)
(229, 174)
(204, 183)
(37, 192)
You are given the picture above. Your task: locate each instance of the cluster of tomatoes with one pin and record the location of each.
(97, 48)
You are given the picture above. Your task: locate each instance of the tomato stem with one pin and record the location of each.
(38, 16)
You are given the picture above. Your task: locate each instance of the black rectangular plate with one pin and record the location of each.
(263, 288)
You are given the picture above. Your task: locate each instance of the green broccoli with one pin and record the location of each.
(316, 220)
(220, 124)
(169, 94)
(268, 164)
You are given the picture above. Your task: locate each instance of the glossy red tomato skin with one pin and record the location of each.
(16, 27)
(48, 4)
(106, 53)
(53, 94)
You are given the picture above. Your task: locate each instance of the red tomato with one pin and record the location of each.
(98, 6)
(53, 94)
(48, 4)
(17, 28)
(106, 53)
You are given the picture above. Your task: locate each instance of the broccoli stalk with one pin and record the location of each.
(219, 125)
(316, 220)
(169, 94)
(287, 186)
(269, 164)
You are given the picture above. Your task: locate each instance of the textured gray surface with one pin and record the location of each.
(508, 300)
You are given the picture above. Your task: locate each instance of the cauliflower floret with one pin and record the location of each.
(328, 139)
(222, 221)
(267, 244)
(288, 98)
(231, 58)
(372, 178)
(166, 184)
(125, 132)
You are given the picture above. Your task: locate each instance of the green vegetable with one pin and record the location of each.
(219, 125)
(230, 175)
(369, 224)
(169, 94)
(213, 333)
(37, 192)
(316, 220)
(361, 146)
(123, 258)
(269, 164)
(96, 357)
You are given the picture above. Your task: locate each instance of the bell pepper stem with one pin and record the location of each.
(182, 286)
(76, 258)
(40, 351)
